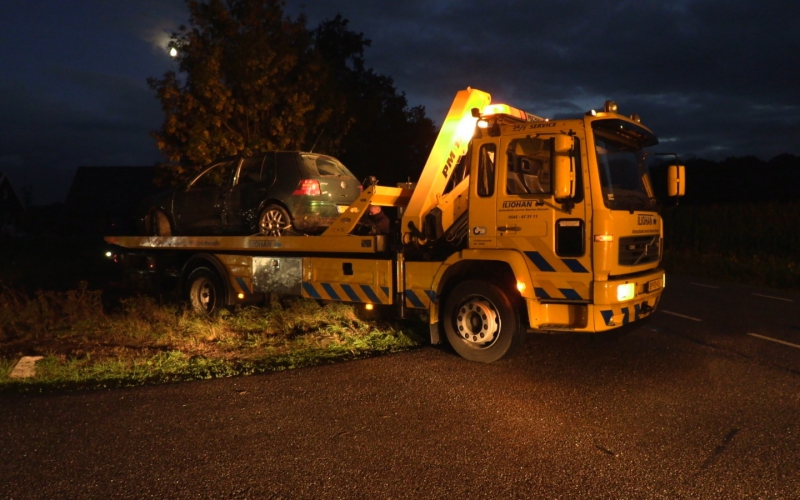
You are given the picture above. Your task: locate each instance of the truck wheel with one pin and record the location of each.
(481, 321)
(274, 221)
(204, 291)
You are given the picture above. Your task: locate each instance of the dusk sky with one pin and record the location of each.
(713, 79)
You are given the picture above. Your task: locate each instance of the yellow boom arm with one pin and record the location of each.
(451, 144)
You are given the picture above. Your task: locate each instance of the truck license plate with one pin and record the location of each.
(653, 285)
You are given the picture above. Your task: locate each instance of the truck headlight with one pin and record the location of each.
(626, 291)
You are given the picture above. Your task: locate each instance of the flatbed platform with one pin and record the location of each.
(253, 244)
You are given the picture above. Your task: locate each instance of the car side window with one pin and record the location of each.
(286, 162)
(250, 171)
(268, 169)
(216, 176)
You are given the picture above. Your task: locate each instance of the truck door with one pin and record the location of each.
(525, 201)
(550, 232)
(483, 199)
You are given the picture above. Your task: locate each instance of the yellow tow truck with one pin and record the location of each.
(517, 224)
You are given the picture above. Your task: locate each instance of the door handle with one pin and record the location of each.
(509, 228)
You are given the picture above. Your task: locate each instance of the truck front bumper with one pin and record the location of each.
(622, 301)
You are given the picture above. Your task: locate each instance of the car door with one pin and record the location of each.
(198, 209)
(251, 187)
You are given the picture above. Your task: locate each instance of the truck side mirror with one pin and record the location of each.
(676, 180)
(563, 172)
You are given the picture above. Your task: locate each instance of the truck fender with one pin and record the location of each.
(476, 264)
(207, 260)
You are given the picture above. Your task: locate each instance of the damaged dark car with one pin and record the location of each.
(276, 193)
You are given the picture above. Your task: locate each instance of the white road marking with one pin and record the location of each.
(774, 340)
(707, 286)
(681, 315)
(25, 367)
(772, 297)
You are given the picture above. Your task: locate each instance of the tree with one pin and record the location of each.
(250, 79)
(248, 83)
(385, 137)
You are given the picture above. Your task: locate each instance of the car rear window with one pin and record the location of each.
(321, 165)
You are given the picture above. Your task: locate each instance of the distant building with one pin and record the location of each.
(12, 211)
(104, 200)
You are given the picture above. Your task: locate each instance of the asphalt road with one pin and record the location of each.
(702, 402)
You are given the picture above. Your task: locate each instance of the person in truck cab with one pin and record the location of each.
(378, 220)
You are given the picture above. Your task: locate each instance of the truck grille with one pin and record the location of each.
(636, 250)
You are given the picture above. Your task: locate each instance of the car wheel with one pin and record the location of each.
(204, 291)
(158, 224)
(481, 321)
(274, 221)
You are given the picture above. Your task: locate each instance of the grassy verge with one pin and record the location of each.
(749, 242)
(769, 271)
(144, 342)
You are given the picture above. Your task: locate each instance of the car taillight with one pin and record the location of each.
(309, 187)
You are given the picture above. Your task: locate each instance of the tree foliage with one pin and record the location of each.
(251, 79)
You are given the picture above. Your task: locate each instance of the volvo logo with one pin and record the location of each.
(647, 220)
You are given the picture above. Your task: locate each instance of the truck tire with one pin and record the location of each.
(481, 321)
(204, 291)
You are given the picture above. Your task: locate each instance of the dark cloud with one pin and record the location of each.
(712, 78)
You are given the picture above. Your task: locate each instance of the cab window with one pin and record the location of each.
(486, 168)
(529, 163)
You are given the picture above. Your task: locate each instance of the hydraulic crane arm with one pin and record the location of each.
(451, 144)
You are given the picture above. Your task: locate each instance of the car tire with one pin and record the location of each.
(204, 291)
(158, 224)
(274, 221)
(481, 321)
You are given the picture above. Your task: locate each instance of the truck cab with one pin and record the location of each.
(575, 198)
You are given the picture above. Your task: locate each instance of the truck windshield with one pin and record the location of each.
(624, 176)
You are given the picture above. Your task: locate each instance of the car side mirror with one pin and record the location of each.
(563, 171)
(676, 180)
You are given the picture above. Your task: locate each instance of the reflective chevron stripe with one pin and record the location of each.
(624, 315)
(575, 266)
(346, 292)
(242, 285)
(540, 262)
(419, 298)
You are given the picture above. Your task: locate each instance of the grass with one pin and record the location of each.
(143, 341)
(749, 242)
(45, 310)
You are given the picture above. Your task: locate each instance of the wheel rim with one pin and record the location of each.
(273, 223)
(477, 322)
(204, 295)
